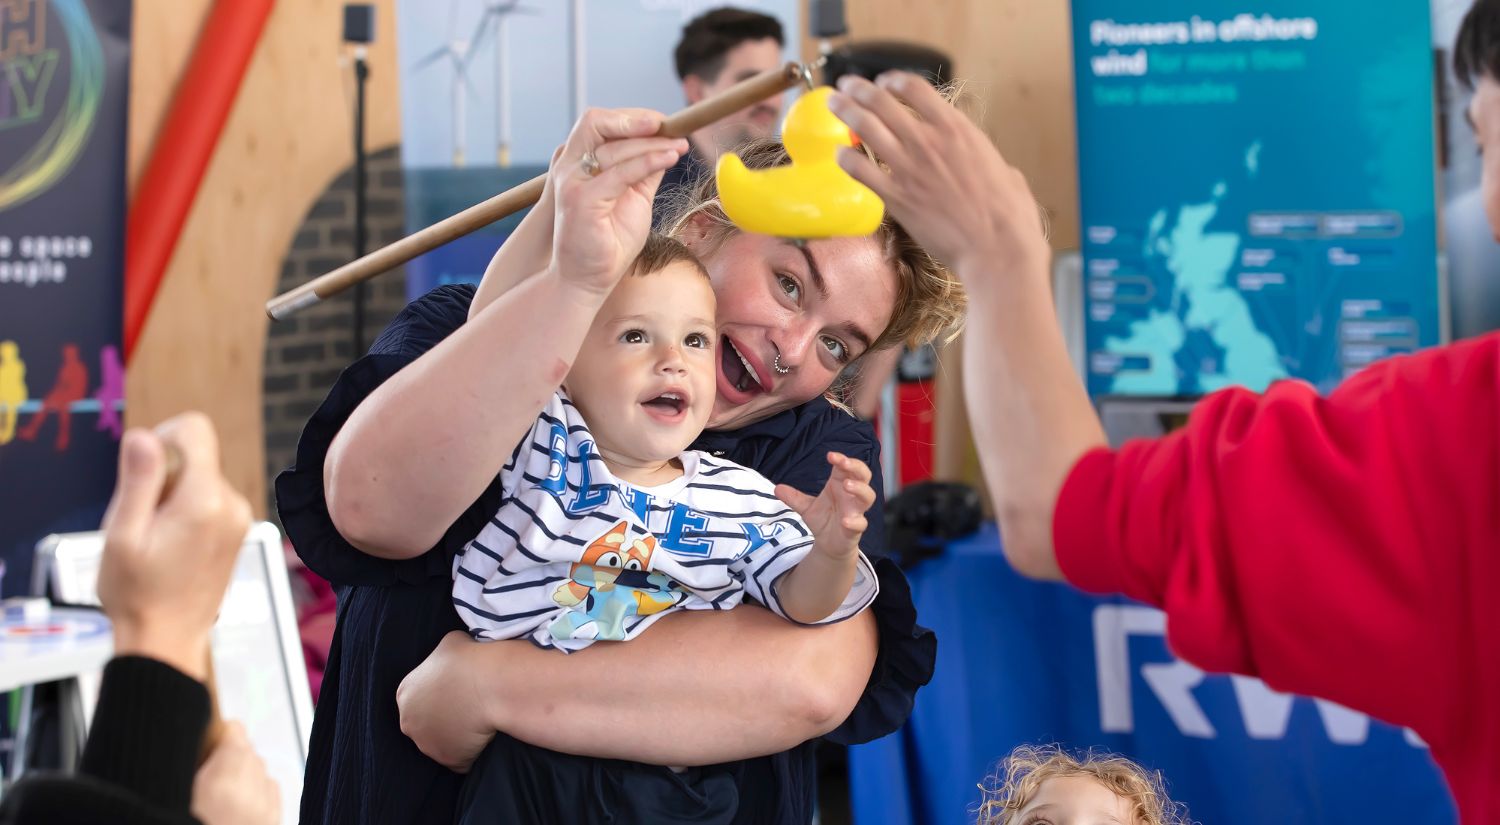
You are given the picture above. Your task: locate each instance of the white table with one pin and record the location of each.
(68, 643)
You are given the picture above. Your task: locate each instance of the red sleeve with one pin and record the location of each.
(1343, 547)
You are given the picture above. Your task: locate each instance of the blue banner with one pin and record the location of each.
(1024, 662)
(1257, 190)
(432, 194)
(64, 74)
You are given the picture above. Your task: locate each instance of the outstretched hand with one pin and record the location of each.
(605, 179)
(945, 181)
(167, 561)
(837, 516)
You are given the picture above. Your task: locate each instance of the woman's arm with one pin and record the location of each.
(693, 672)
(702, 675)
(425, 444)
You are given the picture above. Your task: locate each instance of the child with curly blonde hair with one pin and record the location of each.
(1046, 785)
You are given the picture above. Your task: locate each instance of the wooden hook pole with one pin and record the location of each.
(681, 124)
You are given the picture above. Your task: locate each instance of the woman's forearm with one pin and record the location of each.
(697, 688)
(424, 445)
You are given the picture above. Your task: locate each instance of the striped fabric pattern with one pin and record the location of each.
(574, 555)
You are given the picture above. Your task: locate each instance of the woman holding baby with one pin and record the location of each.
(399, 470)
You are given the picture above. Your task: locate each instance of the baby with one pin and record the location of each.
(1048, 786)
(609, 521)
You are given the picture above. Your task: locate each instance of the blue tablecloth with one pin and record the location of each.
(1021, 662)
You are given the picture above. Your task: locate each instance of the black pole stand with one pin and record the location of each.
(359, 31)
(361, 78)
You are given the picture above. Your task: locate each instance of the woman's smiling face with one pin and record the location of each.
(817, 307)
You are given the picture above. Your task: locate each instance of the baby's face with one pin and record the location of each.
(1075, 800)
(644, 378)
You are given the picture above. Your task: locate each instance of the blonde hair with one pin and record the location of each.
(930, 301)
(1027, 767)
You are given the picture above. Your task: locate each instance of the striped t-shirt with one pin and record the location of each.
(575, 554)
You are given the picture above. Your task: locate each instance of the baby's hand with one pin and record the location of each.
(837, 516)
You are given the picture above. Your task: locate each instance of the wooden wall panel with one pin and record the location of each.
(1015, 57)
(286, 138)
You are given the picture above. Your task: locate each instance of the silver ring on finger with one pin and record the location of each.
(590, 164)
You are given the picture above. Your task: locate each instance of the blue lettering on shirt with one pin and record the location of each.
(755, 538)
(639, 501)
(590, 495)
(683, 519)
(556, 481)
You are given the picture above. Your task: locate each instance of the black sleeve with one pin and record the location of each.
(855, 439)
(140, 759)
(148, 730)
(299, 489)
(903, 664)
(81, 800)
(908, 651)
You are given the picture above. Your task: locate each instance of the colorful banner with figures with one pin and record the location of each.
(64, 74)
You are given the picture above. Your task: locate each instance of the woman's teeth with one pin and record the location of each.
(743, 384)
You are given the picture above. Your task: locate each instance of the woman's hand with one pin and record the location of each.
(947, 184)
(167, 561)
(605, 180)
(444, 704)
(232, 787)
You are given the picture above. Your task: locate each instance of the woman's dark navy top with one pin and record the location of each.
(391, 614)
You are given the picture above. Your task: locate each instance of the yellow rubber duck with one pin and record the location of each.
(810, 198)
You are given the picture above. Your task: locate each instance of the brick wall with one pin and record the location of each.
(306, 353)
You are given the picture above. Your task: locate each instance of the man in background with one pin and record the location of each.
(718, 49)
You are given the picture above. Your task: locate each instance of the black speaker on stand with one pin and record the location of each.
(359, 32)
(868, 58)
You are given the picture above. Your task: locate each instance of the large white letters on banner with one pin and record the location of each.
(1265, 712)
